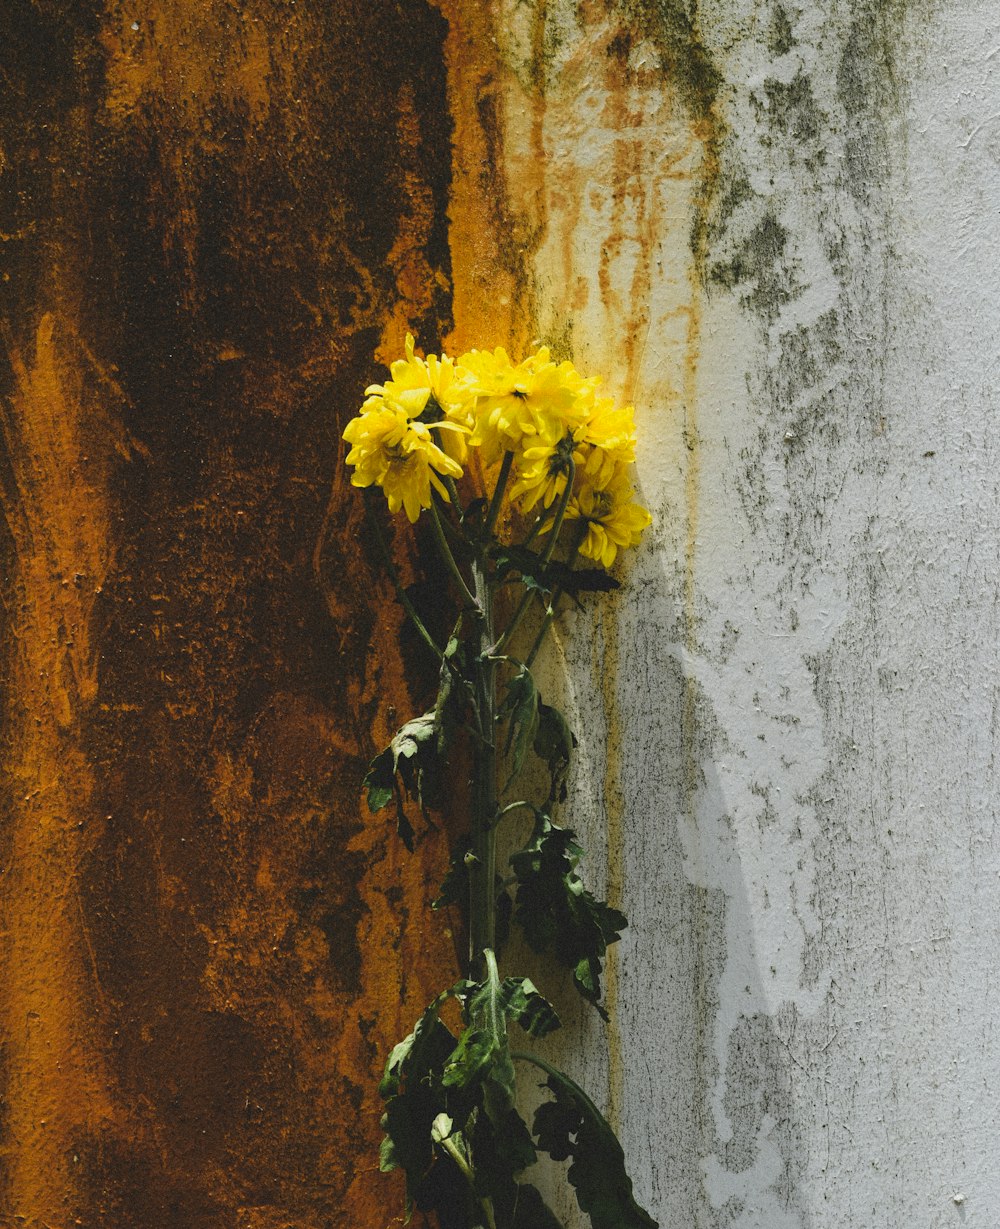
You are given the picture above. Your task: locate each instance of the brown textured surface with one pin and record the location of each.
(215, 219)
(210, 223)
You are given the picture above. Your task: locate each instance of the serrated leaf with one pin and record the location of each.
(501, 1151)
(520, 559)
(380, 781)
(523, 1003)
(413, 1095)
(571, 1126)
(453, 692)
(514, 1143)
(482, 1055)
(411, 759)
(574, 581)
(556, 912)
(520, 707)
(454, 889)
(421, 1050)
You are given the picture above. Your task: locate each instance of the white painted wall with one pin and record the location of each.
(795, 739)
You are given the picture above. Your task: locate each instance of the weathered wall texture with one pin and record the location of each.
(774, 226)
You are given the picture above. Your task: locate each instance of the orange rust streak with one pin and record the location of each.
(490, 302)
(57, 1084)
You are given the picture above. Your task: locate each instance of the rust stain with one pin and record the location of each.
(711, 134)
(206, 940)
(232, 209)
(184, 57)
(526, 192)
(637, 222)
(58, 435)
(491, 296)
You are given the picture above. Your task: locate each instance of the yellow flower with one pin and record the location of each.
(518, 402)
(600, 444)
(399, 454)
(610, 431)
(613, 520)
(415, 381)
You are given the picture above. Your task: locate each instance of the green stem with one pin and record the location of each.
(498, 492)
(521, 804)
(449, 558)
(482, 871)
(484, 1202)
(557, 593)
(557, 525)
(524, 1057)
(452, 489)
(401, 593)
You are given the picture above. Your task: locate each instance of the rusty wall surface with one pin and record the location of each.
(212, 215)
(764, 222)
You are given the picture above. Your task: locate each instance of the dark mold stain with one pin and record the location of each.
(870, 93)
(781, 39)
(759, 1083)
(792, 106)
(673, 26)
(757, 269)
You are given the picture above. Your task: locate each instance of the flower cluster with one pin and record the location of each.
(565, 448)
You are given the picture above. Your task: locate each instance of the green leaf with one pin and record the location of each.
(502, 1151)
(520, 559)
(522, 1002)
(454, 888)
(520, 706)
(380, 781)
(556, 913)
(411, 758)
(414, 1098)
(571, 1126)
(454, 691)
(512, 1140)
(482, 1055)
(421, 1050)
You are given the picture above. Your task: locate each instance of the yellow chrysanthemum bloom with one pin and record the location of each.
(416, 380)
(516, 402)
(393, 451)
(613, 520)
(600, 444)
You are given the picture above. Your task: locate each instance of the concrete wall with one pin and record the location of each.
(799, 686)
